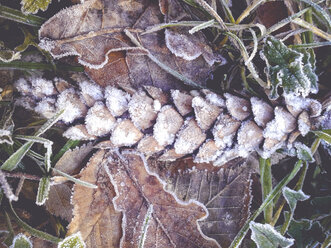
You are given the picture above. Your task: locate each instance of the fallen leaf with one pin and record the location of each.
(224, 191)
(94, 214)
(152, 216)
(58, 202)
(95, 32)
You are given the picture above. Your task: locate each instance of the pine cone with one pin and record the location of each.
(210, 127)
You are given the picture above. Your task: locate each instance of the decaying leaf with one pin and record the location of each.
(141, 197)
(225, 192)
(100, 26)
(94, 214)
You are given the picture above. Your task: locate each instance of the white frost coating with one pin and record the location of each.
(23, 86)
(25, 102)
(297, 104)
(72, 105)
(164, 186)
(157, 105)
(67, 244)
(78, 133)
(282, 124)
(41, 87)
(303, 127)
(125, 133)
(236, 106)
(266, 229)
(181, 45)
(228, 155)
(263, 112)
(99, 120)
(249, 138)
(91, 89)
(21, 236)
(167, 124)
(116, 100)
(216, 100)
(46, 107)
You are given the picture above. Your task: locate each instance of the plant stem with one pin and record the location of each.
(19, 65)
(18, 16)
(242, 233)
(266, 184)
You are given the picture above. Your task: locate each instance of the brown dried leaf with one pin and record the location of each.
(94, 213)
(153, 217)
(225, 192)
(94, 31)
(58, 202)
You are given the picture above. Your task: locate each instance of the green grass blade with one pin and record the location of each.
(43, 190)
(242, 233)
(75, 180)
(31, 230)
(68, 145)
(18, 16)
(11, 163)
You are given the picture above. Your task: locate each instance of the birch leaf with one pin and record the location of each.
(100, 26)
(265, 236)
(289, 69)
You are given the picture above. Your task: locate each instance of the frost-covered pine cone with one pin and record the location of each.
(213, 128)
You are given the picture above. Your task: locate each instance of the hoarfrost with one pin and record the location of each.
(72, 105)
(215, 99)
(91, 92)
(208, 152)
(249, 137)
(205, 112)
(125, 134)
(182, 101)
(25, 102)
(263, 112)
(304, 124)
(168, 123)
(42, 87)
(296, 104)
(99, 120)
(189, 138)
(116, 100)
(141, 109)
(235, 106)
(23, 86)
(78, 132)
(282, 124)
(46, 107)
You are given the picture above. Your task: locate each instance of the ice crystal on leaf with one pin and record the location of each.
(290, 69)
(116, 100)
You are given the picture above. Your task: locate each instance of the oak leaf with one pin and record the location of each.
(224, 191)
(94, 214)
(97, 32)
(152, 216)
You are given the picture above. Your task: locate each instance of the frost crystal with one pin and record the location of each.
(249, 137)
(78, 132)
(141, 109)
(91, 92)
(46, 107)
(42, 87)
(215, 99)
(224, 130)
(168, 123)
(125, 134)
(99, 120)
(190, 137)
(116, 100)
(237, 107)
(23, 86)
(72, 105)
(182, 101)
(283, 124)
(263, 112)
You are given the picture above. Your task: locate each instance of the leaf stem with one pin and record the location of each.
(20, 65)
(266, 183)
(242, 233)
(18, 16)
